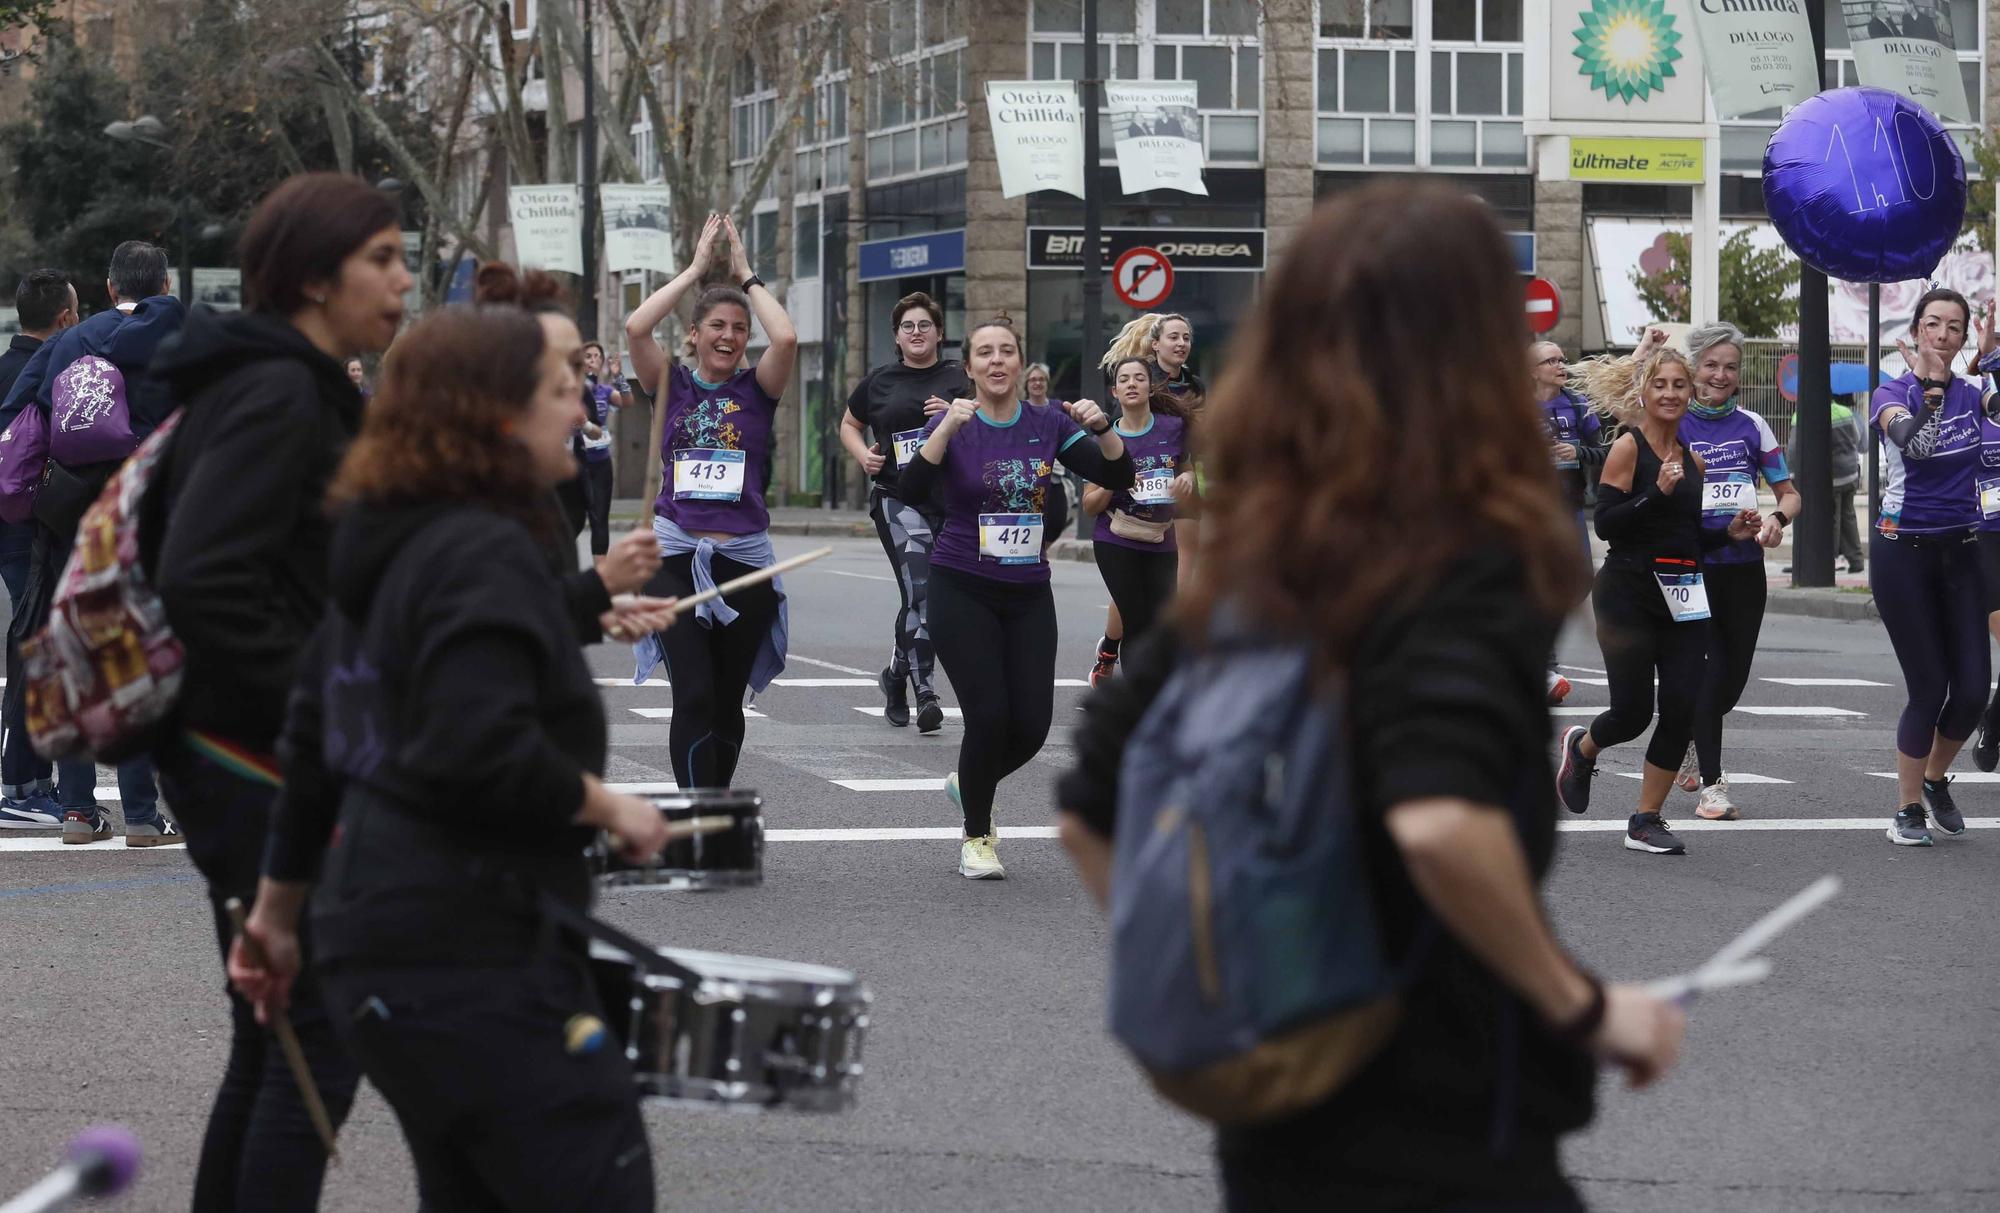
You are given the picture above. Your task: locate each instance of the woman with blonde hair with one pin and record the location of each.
(1650, 600)
(1435, 648)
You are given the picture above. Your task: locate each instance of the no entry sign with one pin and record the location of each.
(1545, 305)
(1142, 277)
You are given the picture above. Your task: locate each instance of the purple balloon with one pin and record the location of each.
(1865, 185)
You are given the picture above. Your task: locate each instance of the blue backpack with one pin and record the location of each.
(1248, 977)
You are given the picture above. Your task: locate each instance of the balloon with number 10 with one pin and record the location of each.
(1865, 185)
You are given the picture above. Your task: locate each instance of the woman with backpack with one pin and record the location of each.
(1458, 1093)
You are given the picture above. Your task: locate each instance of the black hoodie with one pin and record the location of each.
(237, 532)
(445, 716)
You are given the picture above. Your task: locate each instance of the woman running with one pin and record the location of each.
(992, 462)
(1735, 447)
(710, 518)
(892, 402)
(1649, 598)
(603, 394)
(1134, 540)
(1923, 562)
(1166, 342)
(444, 756)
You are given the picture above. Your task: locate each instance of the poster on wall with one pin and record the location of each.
(1759, 57)
(1625, 61)
(1156, 130)
(547, 230)
(1906, 46)
(1037, 135)
(635, 228)
(219, 288)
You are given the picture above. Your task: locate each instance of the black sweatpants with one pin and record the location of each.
(1141, 583)
(709, 668)
(597, 493)
(1639, 637)
(1736, 594)
(997, 643)
(498, 1114)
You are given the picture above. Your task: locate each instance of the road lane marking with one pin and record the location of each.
(1747, 711)
(668, 713)
(862, 576)
(952, 713)
(828, 665)
(930, 783)
(629, 684)
(1960, 777)
(1734, 777)
(1824, 682)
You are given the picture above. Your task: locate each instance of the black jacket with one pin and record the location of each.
(14, 358)
(445, 716)
(237, 534)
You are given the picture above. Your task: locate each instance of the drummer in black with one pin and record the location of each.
(442, 760)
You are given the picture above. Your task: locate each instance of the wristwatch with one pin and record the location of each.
(1783, 521)
(752, 280)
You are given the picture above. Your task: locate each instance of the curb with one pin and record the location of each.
(1822, 604)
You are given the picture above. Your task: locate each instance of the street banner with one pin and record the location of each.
(1759, 57)
(547, 229)
(219, 287)
(1156, 130)
(635, 229)
(1037, 135)
(1906, 46)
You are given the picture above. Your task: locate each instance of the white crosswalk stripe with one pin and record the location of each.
(1747, 710)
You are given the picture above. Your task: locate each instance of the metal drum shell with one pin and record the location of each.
(733, 859)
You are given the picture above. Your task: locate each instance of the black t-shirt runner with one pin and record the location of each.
(889, 400)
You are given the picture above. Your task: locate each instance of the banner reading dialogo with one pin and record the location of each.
(1037, 135)
(636, 228)
(1156, 129)
(547, 229)
(1759, 57)
(1906, 46)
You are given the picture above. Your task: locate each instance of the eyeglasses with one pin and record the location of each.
(1558, 360)
(916, 326)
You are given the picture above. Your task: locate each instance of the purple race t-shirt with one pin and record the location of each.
(1735, 449)
(997, 478)
(1157, 452)
(1987, 484)
(597, 398)
(1932, 486)
(715, 452)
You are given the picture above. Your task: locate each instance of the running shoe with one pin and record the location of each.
(1943, 810)
(1107, 665)
(1908, 828)
(1986, 751)
(86, 825)
(1558, 688)
(1573, 775)
(977, 860)
(37, 812)
(159, 833)
(1648, 832)
(1715, 804)
(896, 692)
(930, 714)
(1689, 777)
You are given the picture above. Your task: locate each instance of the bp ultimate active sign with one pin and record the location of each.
(1198, 250)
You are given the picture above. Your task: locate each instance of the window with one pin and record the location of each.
(1452, 99)
(916, 95)
(764, 243)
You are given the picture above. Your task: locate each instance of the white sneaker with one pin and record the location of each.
(1558, 688)
(1715, 804)
(977, 860)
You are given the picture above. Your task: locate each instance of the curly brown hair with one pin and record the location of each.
(1376, 421)
(439, 428)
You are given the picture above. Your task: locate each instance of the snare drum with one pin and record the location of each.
(736, 1031)
(729, 859)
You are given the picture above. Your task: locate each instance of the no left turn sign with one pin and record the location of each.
(1142, 277)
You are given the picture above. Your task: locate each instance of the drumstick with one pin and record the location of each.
(677, 830)
(748, 579)
(288, 1040)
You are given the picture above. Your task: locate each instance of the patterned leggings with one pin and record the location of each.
(908, 536)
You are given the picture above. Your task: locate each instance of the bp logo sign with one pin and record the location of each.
(1627, 47)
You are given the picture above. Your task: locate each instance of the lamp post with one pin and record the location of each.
(152, 132)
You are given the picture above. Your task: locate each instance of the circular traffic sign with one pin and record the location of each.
(1142, 277)
(1545, 305)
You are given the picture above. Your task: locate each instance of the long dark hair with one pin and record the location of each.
(1341, 416)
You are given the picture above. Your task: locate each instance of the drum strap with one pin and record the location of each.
(645, 957)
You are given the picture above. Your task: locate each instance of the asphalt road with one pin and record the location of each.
(1860, 1077)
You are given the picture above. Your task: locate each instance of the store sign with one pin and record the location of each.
(1190, 249)
(913, 256)
(1760, 55)
(1037, 135)
(1625, 61)
(1651, 161)
(1906, 46)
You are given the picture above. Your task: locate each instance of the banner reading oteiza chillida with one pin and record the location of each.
(1156, 129)
(1759, 54)
(547, 229)
(1037, 135)
(1906, 46)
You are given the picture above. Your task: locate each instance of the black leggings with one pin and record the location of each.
(709, 668)
(997, 641)
(1736, 594)
(908, 535)
(1141, 583)
(597, 492)
(1639, 637)
(1932, 600)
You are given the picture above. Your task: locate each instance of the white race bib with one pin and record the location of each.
(907, 444)
(1011, 538)
(1154, 488)
(601, 442)
(1989, 497)
(703, 474)
(1731, 494)
(1687, 597)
